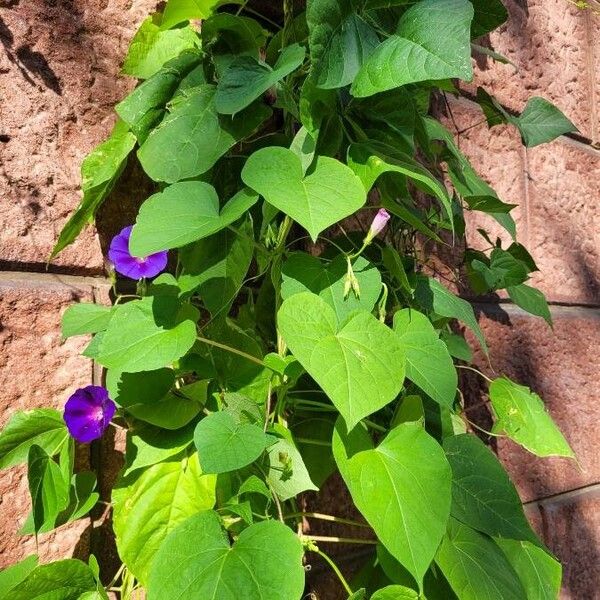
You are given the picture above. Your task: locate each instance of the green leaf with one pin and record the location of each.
(60, 580)
(370, 161)
(226, 445)
(504, 270)
(143, 109)
(148, 445)
(475, 567)
(247, 79)
(178, 11)
(457, 346)
(395, 592)
(541, 122)
(340, 42)
(215, 267)
(192, 137)
(47, 486)
(148, 334)
(393, 263)
(12, 576)
(264, 562)
(428, 362)
(489, 15)
(302, 272)
(288, 475)
(43, 427)
(151, 48)
(326, 195)
(483, 496)
(99, 171)
(432, 295)
(184, 212)
(539, 572)
(146, 395)
(83, 318)
(522, 416)
(432, 42)
(359, 365)
(150, 503)
(402, 487)
(531, 300)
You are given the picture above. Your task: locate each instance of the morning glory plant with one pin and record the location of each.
(287, 346)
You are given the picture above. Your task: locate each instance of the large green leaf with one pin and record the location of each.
(178, 11)
(541, 122)
(340, 41)
(483, 496)
(402, 487)
(531, 300)
(43, 427)
(522, 416)
(85, 317)
(360, 365)
(428, 362)
(225, 444)
(60, 580)
(246, 79)
(99, 171)
(12, 576)
(147, 396)
(395, 592)
(151, 48)
(539, 572)
(196, 561)
(145, 106)
(149, 503)
(287, 475)
(432, 295)
(215, 267)
(184, 212)
(326, 195)
(475, 567)
(302, 272)
(148, 334)
(47, 486)
(432, 41)
(191, 139)
(370, 161)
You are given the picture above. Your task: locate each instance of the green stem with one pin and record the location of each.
(324, 517)
(313, 442)
(335, 569)
(233, 351)
(339, 540)
(467, 368)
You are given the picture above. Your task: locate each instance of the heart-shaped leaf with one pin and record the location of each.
(246, 79)
(428, 362)
(226, 445)
(359, 365)
(178, 11)
(183, 213)
(330, 192)
(432, 41)
(196, 561)
(302, 272)
(402, 487)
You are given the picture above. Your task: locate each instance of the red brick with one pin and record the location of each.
(547, 40)
(572, 526)
(59, 82)
(564, 215)
(39, 369)
(562, 367)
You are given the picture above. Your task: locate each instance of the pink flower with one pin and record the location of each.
(379, 223)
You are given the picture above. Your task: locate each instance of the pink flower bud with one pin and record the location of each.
(379, 223)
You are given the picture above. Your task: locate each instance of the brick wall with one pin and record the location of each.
(58, 82)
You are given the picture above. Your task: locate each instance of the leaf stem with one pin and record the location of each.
(335, 569)
(324, 517)
(339, 540)
(467, 368)
(245, 355)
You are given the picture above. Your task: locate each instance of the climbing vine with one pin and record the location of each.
(287, 322)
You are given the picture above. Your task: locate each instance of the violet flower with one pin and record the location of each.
(88, 413)
(379, 223)
(131, 266)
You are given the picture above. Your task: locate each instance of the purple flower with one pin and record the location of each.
(132, 266)
(379, 222)
(88, 412)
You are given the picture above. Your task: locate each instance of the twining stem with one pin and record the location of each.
(313, 442)
(467, 368)
(335, 569)
(339, 540)
(233, 351)
(324, 517)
